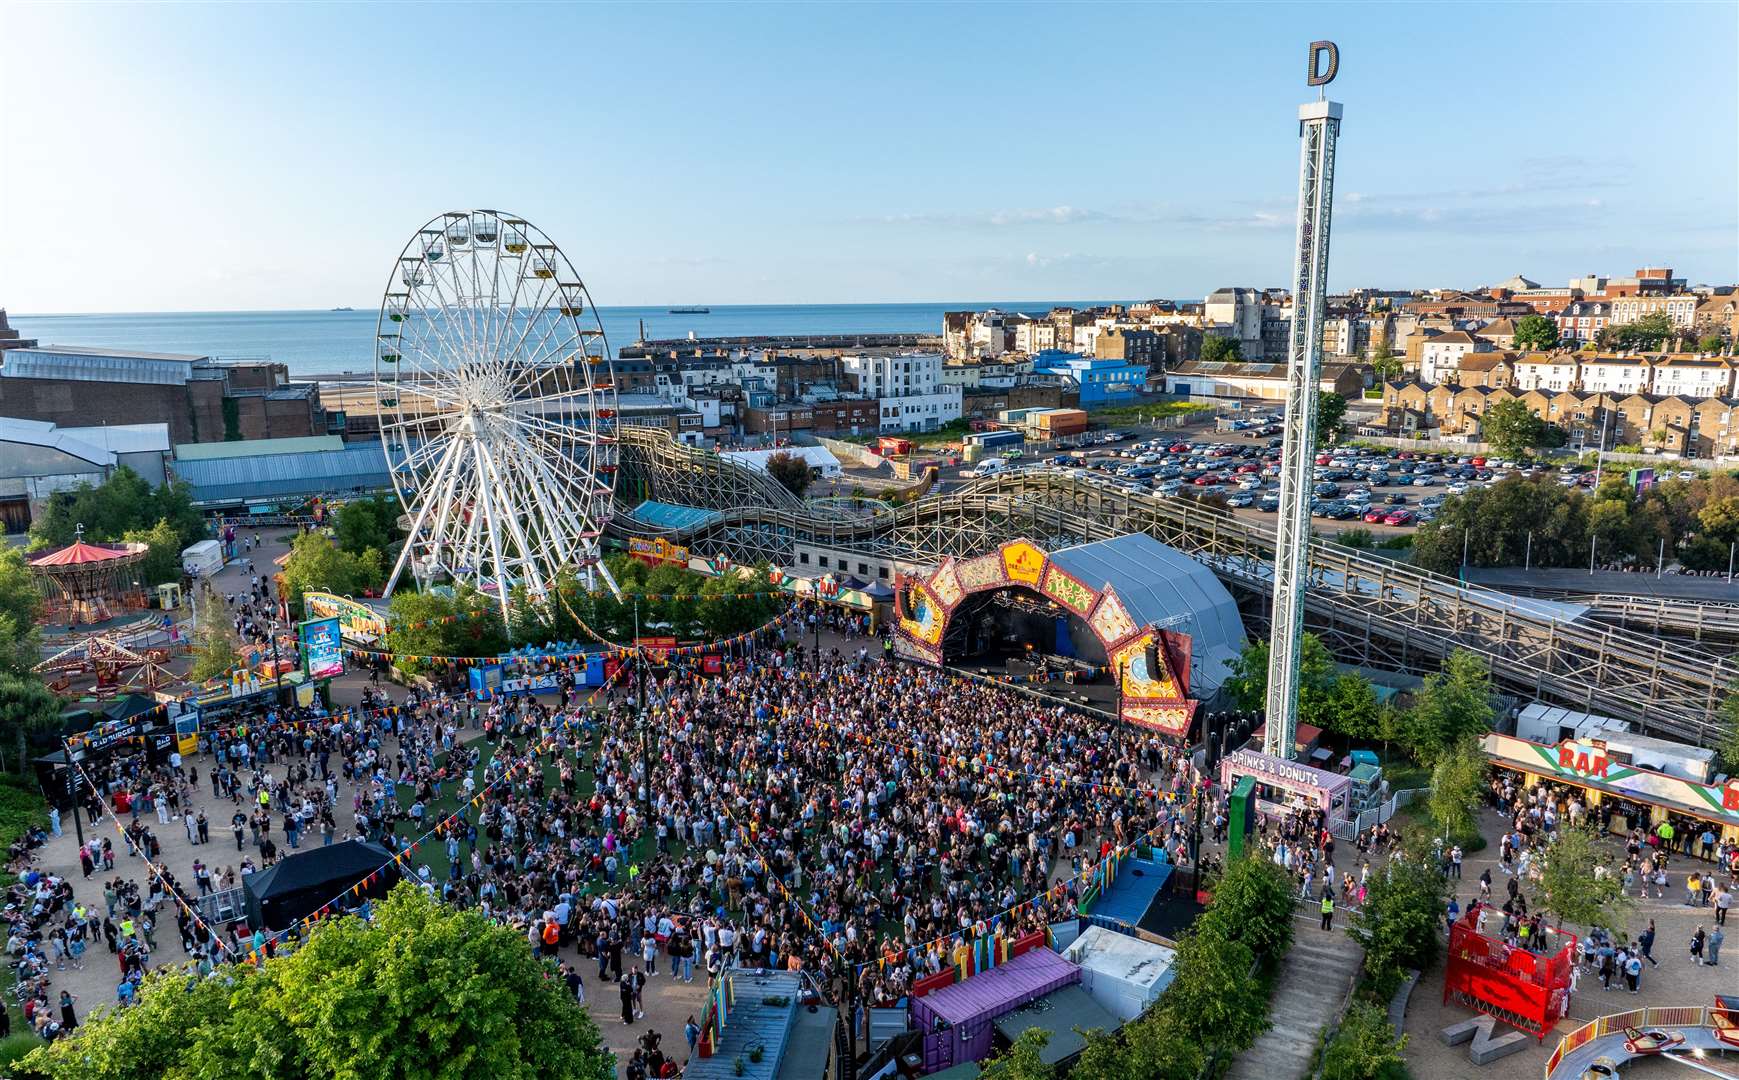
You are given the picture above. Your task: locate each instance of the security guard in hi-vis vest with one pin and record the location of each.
(1328, 911)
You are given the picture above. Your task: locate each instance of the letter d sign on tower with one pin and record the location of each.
(1318, 130)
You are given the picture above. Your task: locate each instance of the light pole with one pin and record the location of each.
(72, 792)
(1528, 559)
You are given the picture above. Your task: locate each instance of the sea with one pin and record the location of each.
(313, 343)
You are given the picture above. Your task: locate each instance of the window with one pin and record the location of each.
(822, 560)
(883, 572)
(803, 557)
(863, 569)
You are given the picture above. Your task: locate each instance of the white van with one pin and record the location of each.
(989, 467)
(202, 559)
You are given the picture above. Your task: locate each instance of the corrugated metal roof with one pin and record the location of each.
(989, 991)
(124, 438)
(750, 1023)
(276, 476)
(1156, 584)
(97, 365)
(307, 444)
(44, 434)
(672, 516)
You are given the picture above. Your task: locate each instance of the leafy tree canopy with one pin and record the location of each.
(1454, 703)
(1580, 882)
(361, 524)
(1222, 350)
(791, 471)
(1536, 333)
(1331, 412)
(1365, 1047)
(216, 649)
(1512, 429)
(163, 561)
(319, 564)
(109, 510)
(424, 990)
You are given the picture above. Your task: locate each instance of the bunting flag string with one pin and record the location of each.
(1103, 870)
(402, 856)
(155, 869)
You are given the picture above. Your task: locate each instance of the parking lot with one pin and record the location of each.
(1387, 491)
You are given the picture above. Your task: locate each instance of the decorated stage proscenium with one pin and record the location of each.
(924, 604)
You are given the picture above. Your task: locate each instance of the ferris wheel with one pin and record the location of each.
(497, 404)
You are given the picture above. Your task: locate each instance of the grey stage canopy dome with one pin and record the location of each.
(1159, 584)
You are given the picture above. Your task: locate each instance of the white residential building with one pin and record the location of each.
(1034, 335)
(1440, 356)
(1693, 378)
(920, 412)
(1616, 374)
(1681, 309)
(1546, 371)
(894, 374)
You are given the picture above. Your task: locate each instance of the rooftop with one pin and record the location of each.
(271, 476)
(216, 451)
(78, 364)
(44, 434)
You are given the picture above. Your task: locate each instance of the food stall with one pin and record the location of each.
(1283, 787)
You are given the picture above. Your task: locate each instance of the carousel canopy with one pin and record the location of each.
(80, 553)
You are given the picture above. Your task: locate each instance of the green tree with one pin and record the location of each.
(424, 990)
(791, 471)
(109, 510)
(1387, 368)
(467, 623)
(1365, 1047)
(1515, 521)
(1457, 784)
(26, 708)
(1455, 702)
(1729, 714)
(1218, 350)
(1580, 882)
(318, 564)
(216, 649)
(1511, 428)
(1248, 683)
(1252, 905)
(1022, 1061)
(1212, 1000)
(361, 524)
(1331, 412)
(1536, 333)
(163, 561)
(1649, 332)
(1401, 922)
(20, 608)
(1719, 519)
(1712, 343)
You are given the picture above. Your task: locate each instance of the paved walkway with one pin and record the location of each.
(1314, 980)
(1676, 981)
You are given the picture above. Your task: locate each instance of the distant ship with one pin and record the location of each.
(691, 311)
(343, 309)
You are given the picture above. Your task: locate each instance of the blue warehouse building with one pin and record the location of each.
(1099, 382)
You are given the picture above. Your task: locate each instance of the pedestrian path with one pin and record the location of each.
(1314, 980)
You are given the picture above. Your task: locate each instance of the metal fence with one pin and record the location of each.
(1670, 1016)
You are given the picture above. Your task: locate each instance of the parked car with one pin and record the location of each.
(1268, 503)
(1240, 499)
(1399, 517)
(1375, 515)
(1458, 487)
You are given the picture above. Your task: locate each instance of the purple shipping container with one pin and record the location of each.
(959, 1021)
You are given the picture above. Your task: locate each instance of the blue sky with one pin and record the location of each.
(187, 157)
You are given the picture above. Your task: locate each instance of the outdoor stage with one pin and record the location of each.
(1126, 624)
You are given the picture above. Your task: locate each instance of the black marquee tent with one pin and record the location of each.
(303, 881)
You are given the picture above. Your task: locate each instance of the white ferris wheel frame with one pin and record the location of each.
(497, 399)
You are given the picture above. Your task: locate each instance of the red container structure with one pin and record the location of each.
(1526, 990)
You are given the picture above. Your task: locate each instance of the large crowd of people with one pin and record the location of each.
(832, 812)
